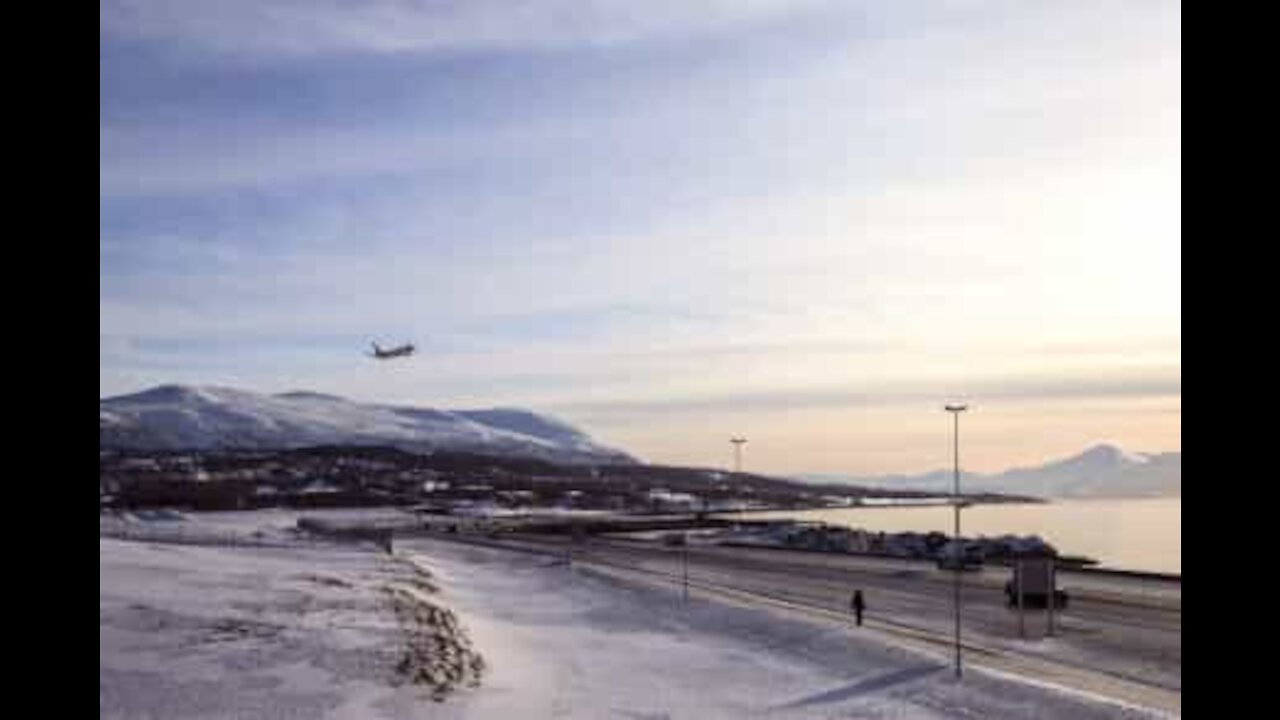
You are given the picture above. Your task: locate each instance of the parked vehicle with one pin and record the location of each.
(967, 558)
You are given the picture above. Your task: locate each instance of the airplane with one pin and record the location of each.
(395, 352)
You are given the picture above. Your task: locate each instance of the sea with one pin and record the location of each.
(1143, 534)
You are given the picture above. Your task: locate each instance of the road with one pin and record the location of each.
(1119, 636)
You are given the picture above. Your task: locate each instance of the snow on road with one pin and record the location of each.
(564, 643)
(189, 631)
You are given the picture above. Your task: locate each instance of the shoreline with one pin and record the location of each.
(625, 523)
(1142, 536)
(1066, 568)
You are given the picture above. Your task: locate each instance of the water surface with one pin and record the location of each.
(1129, 534)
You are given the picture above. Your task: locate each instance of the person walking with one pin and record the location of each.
(857, 605)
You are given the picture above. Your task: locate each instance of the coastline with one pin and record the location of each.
(1066, 568)
(1129, 535)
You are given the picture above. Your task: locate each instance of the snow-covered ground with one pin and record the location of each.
(188, 631)
(305, 631)
(567, 643)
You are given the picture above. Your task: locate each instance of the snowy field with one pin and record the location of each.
(308, 631)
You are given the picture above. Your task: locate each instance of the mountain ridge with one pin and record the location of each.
(210, 417)
(1101, 470)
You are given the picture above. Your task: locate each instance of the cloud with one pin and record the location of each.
(302, 28)
(1126, 383)
(727, 123)
(635, 209)
(137, 159)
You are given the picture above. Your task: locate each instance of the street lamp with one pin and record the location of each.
(955, 411)
(684, 564)
(737, 454)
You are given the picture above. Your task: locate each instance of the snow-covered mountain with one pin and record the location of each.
(1100, 471)
(189, 417)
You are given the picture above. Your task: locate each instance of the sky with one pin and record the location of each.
(807, 223)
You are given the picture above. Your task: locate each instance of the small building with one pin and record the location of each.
(662, 499)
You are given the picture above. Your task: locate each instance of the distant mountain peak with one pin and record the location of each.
(202, 417)
(1109, 454)
(1101, 470)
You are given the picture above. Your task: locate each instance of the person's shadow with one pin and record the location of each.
(866, 685)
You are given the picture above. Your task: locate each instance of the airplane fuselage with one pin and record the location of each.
(395, 352)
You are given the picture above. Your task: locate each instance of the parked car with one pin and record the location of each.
(968, 557)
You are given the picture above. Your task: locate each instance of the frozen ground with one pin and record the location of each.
(187, 631)
(299, 631)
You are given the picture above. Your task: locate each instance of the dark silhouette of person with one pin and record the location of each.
(857, 605)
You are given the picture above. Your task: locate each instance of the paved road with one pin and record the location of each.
(1123, 629)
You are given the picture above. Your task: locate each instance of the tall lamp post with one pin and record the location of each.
(737, 454)
(955, 411)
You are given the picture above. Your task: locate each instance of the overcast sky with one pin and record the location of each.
(667, 222)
